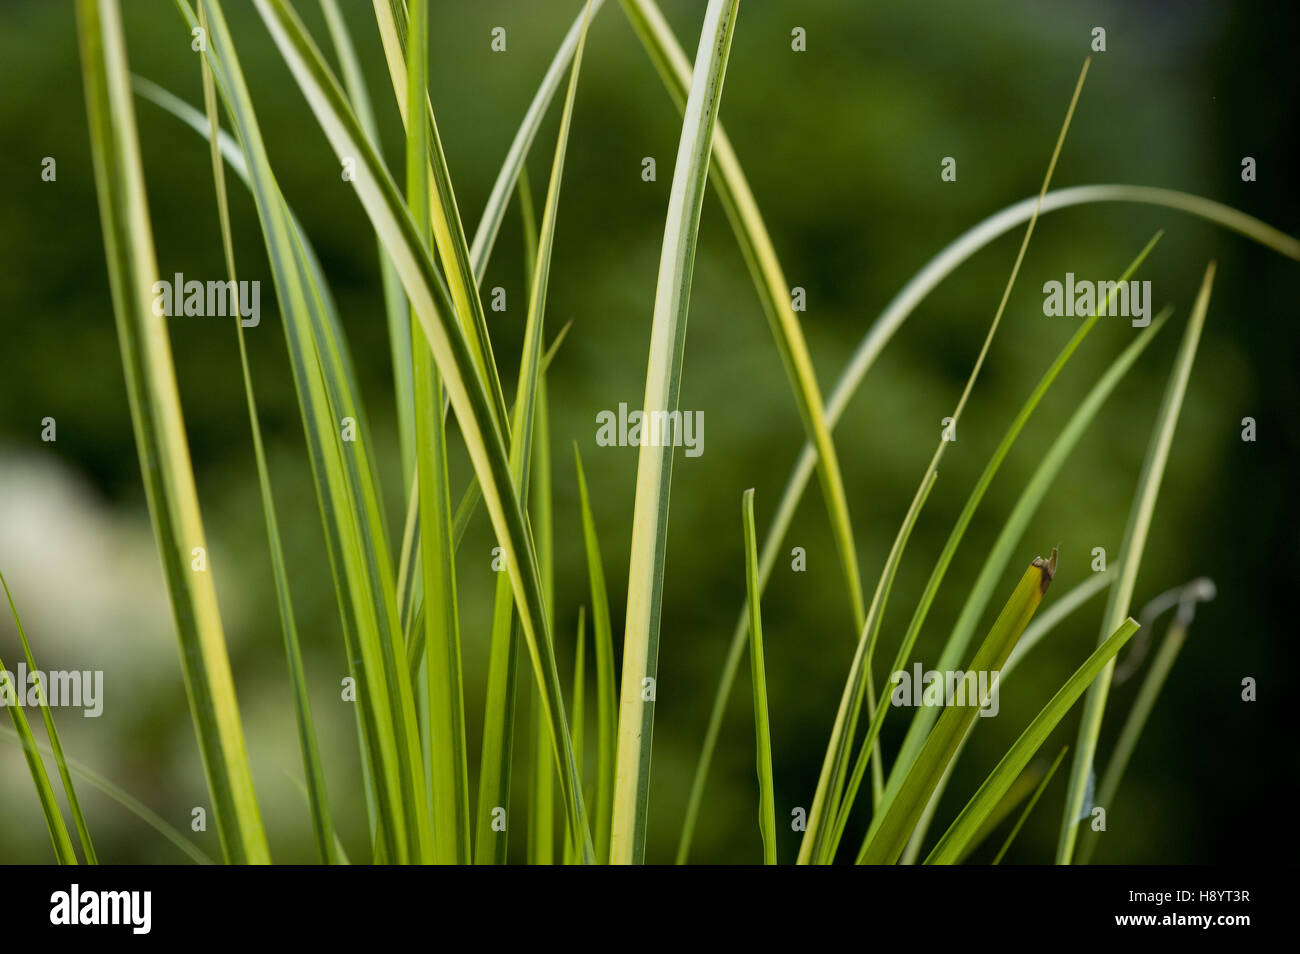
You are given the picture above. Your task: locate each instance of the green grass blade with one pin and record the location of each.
(123, 798)
(412, 598)
(606, 679)
(823, 828)
(891, 830)
(468, 392)
(967, 823)
(654, 463)
(756, 245)
(1033, 800)
(1042, 624)
(542, 788)
(448, 232)
(448, 759)
(395, 309)
(762, 728)
(1136, 721)
(64, 853)
(494, 769)
(1130, 556)
(393, 26)
(60, 759)
(347, 488)
(572, 842)
(160, 431)
(318, 419)
(322, 826)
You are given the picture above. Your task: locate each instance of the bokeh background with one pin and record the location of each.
(842, 146)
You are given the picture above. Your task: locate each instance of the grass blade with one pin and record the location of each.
(606, 680)
(60, 759)
(1136, 721)
(468, 392)
(448, 760)
(448, 232)
(1130, 555)
(1042, 624)
(572, 843)
(762, 728)
(542, 788)
(823, 831)
(1033, 800)
(395, 309)
(347, 489)
(160, 432)
(891, 830)
(123, 798)
(64, 853)
(732, 189)
(654, 464)
(494, 769)
(967, 823)
(322, 826)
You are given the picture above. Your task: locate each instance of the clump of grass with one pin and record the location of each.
(399, 613)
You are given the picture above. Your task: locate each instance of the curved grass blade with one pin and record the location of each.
(322, 826)
(903, 304)
(160, 431)
(1038, 793)
(762, 728)
(891, 830)
(654, 463)
(967, 823)
(606, 680)
(732, 189)
(1130, 556)
(78, 818)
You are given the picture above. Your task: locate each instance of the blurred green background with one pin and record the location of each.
(842, 146)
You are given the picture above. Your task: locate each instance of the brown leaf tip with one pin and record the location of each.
(1048, 568)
